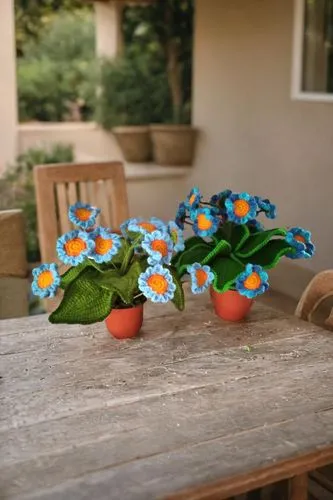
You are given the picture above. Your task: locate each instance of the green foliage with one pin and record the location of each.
(179, 297)
(57, 76)
(17, 188)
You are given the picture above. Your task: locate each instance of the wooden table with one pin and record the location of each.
(193, 409)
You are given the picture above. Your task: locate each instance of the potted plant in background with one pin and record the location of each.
(111, 276)
(233, 248)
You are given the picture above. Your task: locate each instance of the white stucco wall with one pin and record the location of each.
(254, 137)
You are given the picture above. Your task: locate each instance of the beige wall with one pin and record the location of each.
(254, 138)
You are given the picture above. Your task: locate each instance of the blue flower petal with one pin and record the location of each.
(158, 246)
(177, 236)
(246, 202)
(156, 284)
(49, 286)
(107, 244)
(73, 247)
(201, 277)
(83, 215)
(205, 222)
(252, 282)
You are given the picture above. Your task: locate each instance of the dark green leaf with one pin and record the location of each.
(73, 272)
(179, 298)
(269, 256)
(239, 235)
(197, 253)
(84, 302)
(226, 271)
(189, 243)
(222, 248)
(257, 241)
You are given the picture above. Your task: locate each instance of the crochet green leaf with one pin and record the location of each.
(226, 271)
(197, 253)
(257, 241)
(240, 234)
(179, 298)
(222, 248)
(72, 273)
(269, 256)
(189, 243)
(84, 302)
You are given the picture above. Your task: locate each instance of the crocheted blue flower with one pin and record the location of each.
(205, 222)
(177, 236)
(145, 226)
(74, 247)
(300, 239)
(46, 280)
(181, 215)
(219, 198)
(252, 282)
(201, 277)
(241, 207)
(193, 199)
(267, 207)
(83, 215)
(158, 246)
(156, 284)
(107, 244)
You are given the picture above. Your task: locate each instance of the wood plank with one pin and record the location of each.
(72, 193)
(62, 203)
(299, 487)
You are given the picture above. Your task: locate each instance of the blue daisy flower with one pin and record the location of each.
(300, 240)
(205, 222)
(219, 198)
(74, 247)
(83, 215)
(46, 280)
(241, 207)
(181, 215)
(177, 236)
(201, 277)
(107, 244)
(267, 207)
(158, 246)
(252, 282)
(156, 284)
(193, 199)
(144, 226)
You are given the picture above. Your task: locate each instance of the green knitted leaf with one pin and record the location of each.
(226, 271)
(257, 241)
(269, 256)
(189, 243)
(84, 302)
(222, 248)
(118, 258)
(197, 253)
(126, 286)
(72, 273)
(179, 298)
(240, 233)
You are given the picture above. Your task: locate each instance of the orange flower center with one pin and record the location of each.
(241, 208)
(201, 276)
(102, 245)
(158, 283)
(299, 238)
(74, 247)
(160, 246)
(148, 226)
(252, 282)
(45, 279)
(83, 214)
(203, 222)
(192, 199)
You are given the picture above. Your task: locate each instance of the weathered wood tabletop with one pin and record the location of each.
(192, 409)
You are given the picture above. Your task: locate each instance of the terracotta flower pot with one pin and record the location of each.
(125, 323)
(230, 305)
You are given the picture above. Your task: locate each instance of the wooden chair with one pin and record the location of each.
(318, 290)
(59, 186)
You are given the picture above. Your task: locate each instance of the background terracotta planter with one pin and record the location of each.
(125, 323)
(134, 142)
(230, 305)
(173, 144)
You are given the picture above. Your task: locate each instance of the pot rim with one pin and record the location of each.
(131, 129)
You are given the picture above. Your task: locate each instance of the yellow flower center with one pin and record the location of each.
(192, 199)
(74, 247)
(241, 208)
(83, 214)
(299, 238)
(158, 283)
(45, 279)
(252, 282)
(148, 226)
(160, 246)
(201, 276)
(102, 245)
(203, 222)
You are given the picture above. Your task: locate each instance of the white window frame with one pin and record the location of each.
(297, 60)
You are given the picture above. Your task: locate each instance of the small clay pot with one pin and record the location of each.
(230, 305)
(125, 323)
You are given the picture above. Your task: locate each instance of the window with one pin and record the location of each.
(313, 50)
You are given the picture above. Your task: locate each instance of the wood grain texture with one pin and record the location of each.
(318, 290)
(192, 409)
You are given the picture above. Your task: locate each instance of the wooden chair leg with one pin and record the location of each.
(254, 495)
(298, 487)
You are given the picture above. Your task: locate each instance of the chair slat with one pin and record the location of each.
(62, 207)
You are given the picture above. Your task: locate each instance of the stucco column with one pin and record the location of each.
(8, 91)
(109, 40)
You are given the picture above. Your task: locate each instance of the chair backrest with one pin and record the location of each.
(318, 290)
(59, 186)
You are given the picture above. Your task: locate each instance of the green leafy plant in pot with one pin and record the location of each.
(112, 275)
(234, 248)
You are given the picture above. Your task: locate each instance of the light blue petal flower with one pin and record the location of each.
(156, 284)
(83, 215)
(145, 226)
(201, 277)
(252, 282)
(158, 246)
(46, 280)
(177, 236)
(181, 215)
(300, 240)
(193, 199)
(73, 247)
(267, 207)
(205, 222)
(241, 207)
(107, 244)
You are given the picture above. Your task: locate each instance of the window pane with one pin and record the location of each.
(318, 46)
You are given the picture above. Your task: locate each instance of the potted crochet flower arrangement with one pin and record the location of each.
(232, 250)
(112, 275)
